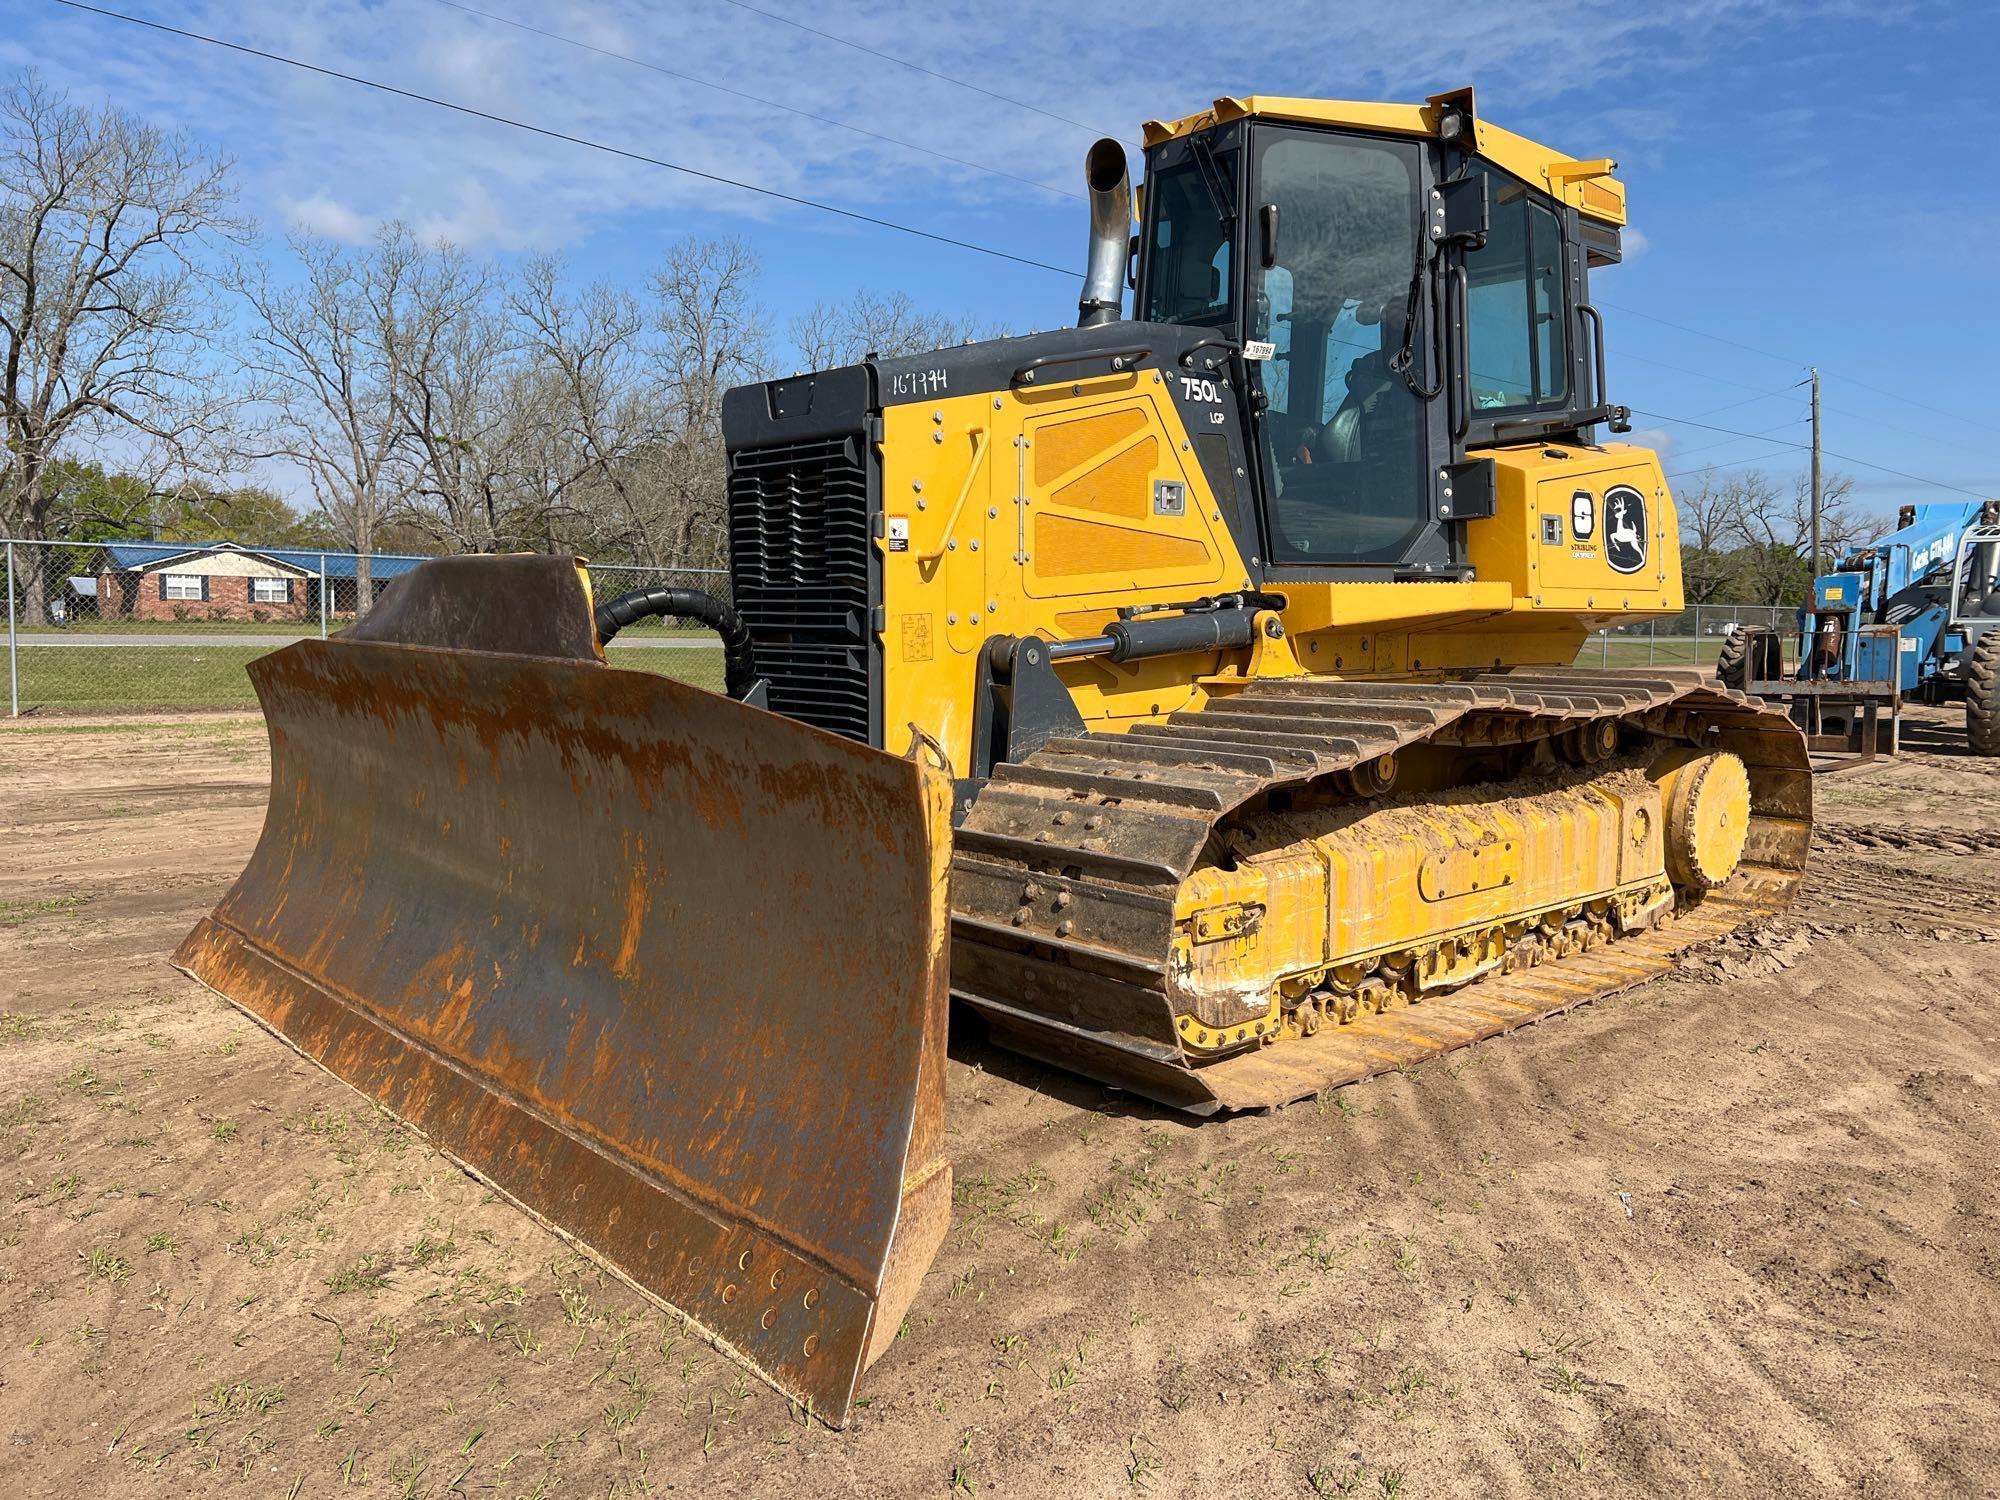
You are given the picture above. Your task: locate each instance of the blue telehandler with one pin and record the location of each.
(1914, 615)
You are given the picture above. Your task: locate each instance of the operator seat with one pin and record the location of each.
(1373, 422)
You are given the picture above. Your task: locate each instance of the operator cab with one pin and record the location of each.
(1975, 591)
(1400, 302)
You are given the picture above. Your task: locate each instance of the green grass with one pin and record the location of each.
(193, 625)
(703, 668)
(1640, 651)
(144, 677)
(82, 678)
(167, 678)
(14, 913)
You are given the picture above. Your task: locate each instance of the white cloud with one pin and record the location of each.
(476, 221)
(322, 215)
(1635, 243)
(340, 157)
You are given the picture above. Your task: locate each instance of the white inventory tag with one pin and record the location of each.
(1258, 349)
(899, 533)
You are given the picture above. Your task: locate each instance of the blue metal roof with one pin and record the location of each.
(131, 557)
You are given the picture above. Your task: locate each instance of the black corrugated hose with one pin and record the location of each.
(739, 667)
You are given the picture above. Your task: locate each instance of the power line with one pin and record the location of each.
(1935, 411)
(1741, 385)
(575, 140)
(1750, 401)
(757, 99)
(853, 215)
(1725, 442)
(1846, 458)
(904, 62)
(1734, 463)
(1929, 437)
(1660, 416)
(1783, 359)
(1786, 359)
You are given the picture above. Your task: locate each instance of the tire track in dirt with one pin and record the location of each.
(1340, 1289)
(1937, 840)
(1962, 763)
(1861, 890)
(1712, 1264)
(1602, 1333)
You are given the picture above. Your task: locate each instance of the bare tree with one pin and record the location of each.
(332, 356)
(107, 312)
(455, 391)
(582, 406)
(1708, 510)
(1774, 525)
(712, 335)
(867, 323)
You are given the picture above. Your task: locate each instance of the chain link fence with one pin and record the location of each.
(158, 626)
(117, 626)
(1693, 637)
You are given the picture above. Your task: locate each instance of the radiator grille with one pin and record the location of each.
(799, 551)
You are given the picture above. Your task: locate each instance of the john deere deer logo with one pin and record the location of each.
(1625, 529)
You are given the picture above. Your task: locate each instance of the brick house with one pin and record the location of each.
(227, 581)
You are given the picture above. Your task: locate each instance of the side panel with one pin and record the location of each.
(1588, 533)
(1023, 511)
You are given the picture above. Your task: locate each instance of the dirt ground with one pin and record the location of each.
(1735, 1232)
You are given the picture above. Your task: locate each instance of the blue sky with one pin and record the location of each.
(1812, 183)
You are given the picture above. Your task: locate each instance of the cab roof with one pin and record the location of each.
(1584, 184)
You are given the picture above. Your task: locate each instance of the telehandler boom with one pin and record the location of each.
(1190, 696)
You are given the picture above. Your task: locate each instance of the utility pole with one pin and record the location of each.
(1814, 568)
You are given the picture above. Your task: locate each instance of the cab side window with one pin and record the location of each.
(1188, 277)
(1517, 333)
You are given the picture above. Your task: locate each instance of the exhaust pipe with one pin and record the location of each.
(1103, 299)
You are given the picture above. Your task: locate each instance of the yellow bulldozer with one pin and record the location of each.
(1189, 697)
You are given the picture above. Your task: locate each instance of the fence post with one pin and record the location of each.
(1604, 648)
(13, 647)
(322, 596)
(1652, 638)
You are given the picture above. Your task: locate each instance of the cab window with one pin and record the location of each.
(1517, 332)
(1187, 276)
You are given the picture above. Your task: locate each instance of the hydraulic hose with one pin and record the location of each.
(739, 667)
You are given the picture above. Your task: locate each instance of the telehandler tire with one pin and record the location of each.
(1732, 666)
(1982, 695)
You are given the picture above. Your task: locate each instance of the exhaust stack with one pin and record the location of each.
(1103, 299)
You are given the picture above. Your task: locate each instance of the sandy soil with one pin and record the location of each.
(1732, 1233)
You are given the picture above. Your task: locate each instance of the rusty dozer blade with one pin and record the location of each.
(666, 969)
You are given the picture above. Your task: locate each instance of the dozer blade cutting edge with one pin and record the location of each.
(663, 968)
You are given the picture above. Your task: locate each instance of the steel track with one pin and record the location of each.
(1066, 867)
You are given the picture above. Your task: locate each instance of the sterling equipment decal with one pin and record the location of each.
(1624, 529)
(1582, 515)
